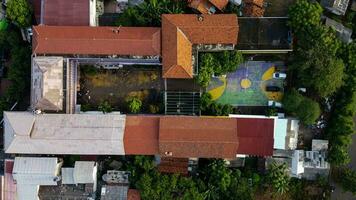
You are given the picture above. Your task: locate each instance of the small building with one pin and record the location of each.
(208, 6)
(31, 172)
(77, 183)
(47, 84)
(337, 7)
(342, 32)
(64, 13)
(311, 164)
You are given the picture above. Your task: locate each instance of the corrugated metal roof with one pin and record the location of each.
(27, 192)
(255, 136)
(280, 133)
(67, 176)
(84, 172)
(82, 40)
(64, 13)
(80, 134)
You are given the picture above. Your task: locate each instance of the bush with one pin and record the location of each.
(209, 107)
(206, 70)
(105, 107)
(134, 105)
(153, 109)
(348, 180)
(89, 70)
(291, 101)
(20, 12)
(271, 112)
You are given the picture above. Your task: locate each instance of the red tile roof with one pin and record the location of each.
(139, 41)
(181, 31)
(203, 6)
(255, 136)
(173, 165)
(141, 135)
(202, 137)
(253, 8)
(198, 137)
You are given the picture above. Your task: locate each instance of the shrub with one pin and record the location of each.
(134, 105)
(89, 70)
(291, 100)
(153, 109)
(105, 107)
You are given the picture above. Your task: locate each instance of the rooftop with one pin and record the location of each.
(83, 134)
(84, 40)
(181, 31)
(47, 83)
(264, 34)
(62, 13)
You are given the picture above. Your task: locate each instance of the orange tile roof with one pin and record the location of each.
(141, 135)
(201, 137)
(204, 5)
(81, 40)
(220, 4)
(254, 8)
(180, 32)
(198, 137)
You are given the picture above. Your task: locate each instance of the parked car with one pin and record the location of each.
(274, 104)
(273, 88)
(279, 75)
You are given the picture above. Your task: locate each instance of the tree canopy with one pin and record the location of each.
(20, 12)
(306, 109)
(304, 14)
(278, 177)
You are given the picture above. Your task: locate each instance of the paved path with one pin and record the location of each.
(338, 194)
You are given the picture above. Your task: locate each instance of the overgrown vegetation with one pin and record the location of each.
(149, 13)
(217, 64)
(19, 12)
(210, 107)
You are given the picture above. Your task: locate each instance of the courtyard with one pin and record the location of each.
(118, 85)
(247, 85)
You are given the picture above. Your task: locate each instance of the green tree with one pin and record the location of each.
(291, 101)
(348, 180)
(308, 111)
(278, 178)
(20, 12)
(206, 70)
(304, 14)
(134, 105)
(105, 107)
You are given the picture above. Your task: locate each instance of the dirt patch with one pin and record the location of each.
(116, 85)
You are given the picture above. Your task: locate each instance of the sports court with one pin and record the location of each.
(247, 85)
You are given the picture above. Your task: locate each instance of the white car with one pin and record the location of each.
(279, 75)
(274, 104)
